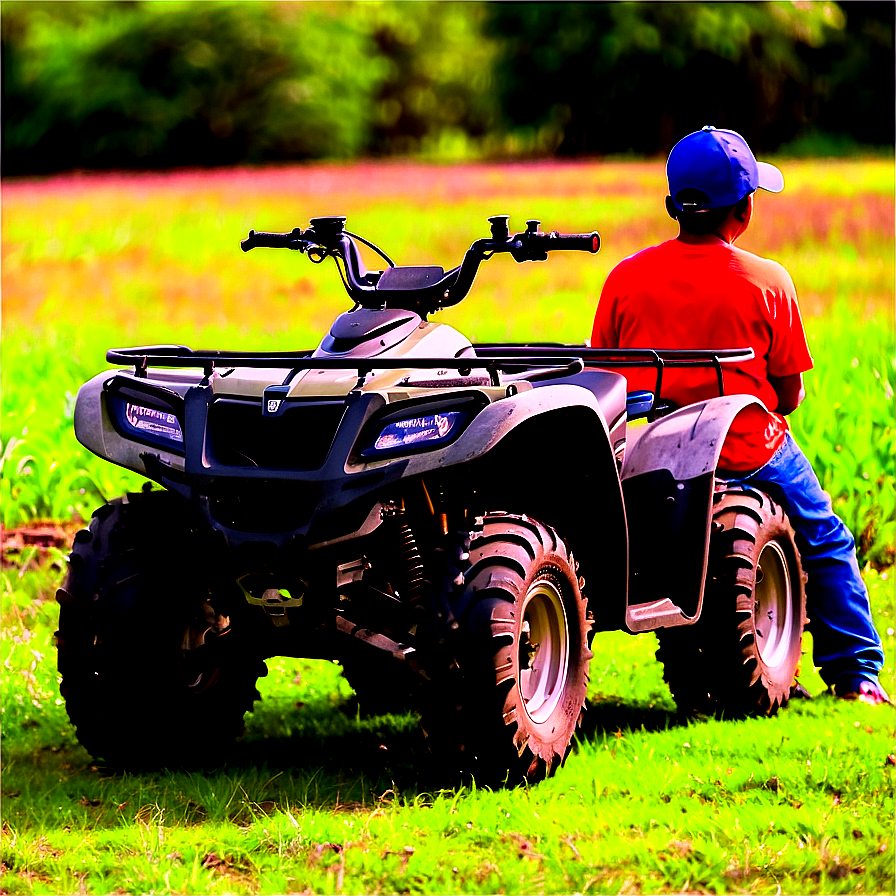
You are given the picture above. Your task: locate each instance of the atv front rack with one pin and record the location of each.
(553, 364)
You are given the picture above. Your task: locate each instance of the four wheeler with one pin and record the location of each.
(452, 523)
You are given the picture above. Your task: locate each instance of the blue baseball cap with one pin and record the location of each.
(720, 164)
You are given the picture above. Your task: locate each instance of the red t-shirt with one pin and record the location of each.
(683, 296)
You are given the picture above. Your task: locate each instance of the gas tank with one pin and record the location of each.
(368, 332)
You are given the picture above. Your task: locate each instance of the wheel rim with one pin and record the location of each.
(544, 650)
(196, 675)
(193, 638)
(773, 617)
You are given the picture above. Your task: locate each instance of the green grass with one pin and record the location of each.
(319, 800)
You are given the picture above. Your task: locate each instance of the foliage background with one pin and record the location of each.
(147, 85)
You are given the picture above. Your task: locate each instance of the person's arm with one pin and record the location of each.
(789, 390)
(789, 349)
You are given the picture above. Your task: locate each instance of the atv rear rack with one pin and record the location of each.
(631, 357)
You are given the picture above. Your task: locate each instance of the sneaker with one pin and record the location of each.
(856, 687)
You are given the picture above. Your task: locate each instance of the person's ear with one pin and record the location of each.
(743, 210)
(670, 208)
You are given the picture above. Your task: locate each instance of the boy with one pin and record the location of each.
(699, 291)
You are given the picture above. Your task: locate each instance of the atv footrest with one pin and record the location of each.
(374, 639)
(653, 614)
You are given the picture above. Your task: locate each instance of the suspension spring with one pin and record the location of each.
(411, 563)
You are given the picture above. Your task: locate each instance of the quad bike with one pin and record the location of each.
(452, 523)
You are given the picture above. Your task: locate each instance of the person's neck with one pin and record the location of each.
(702, 239)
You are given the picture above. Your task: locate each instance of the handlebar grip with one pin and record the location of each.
(584, 242)
(259, 239)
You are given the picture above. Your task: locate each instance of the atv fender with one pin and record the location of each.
(667, 483)
(500, 418)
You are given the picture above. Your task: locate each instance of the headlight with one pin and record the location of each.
(416, 433)
(153, 422)
(146, 416)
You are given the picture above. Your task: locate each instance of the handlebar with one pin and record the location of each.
(583, 242)
(422, 289)
(258, 239)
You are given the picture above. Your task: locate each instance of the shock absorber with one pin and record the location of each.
(409, 559)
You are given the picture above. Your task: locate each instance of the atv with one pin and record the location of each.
(450, 522)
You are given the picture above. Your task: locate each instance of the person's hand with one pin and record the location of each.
(789, 390)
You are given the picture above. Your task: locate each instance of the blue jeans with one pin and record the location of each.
(847, 646)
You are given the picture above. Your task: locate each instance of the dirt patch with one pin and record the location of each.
(36, 542)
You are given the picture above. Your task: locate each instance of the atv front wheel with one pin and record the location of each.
(740, 658)
(136, 626)
(506, 707)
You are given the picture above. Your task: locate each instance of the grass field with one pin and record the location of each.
(318, 799)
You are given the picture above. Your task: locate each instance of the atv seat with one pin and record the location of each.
(641, 402)
(608, 388)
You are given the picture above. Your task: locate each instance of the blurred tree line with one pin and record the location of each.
(147, 85)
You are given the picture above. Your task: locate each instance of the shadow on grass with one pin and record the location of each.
(320, 754)
(334, 740)
(339, 741)
(311, 757)
(608, 717)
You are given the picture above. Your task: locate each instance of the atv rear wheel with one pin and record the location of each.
(136, 625)
(508, 704)
(740, 658)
